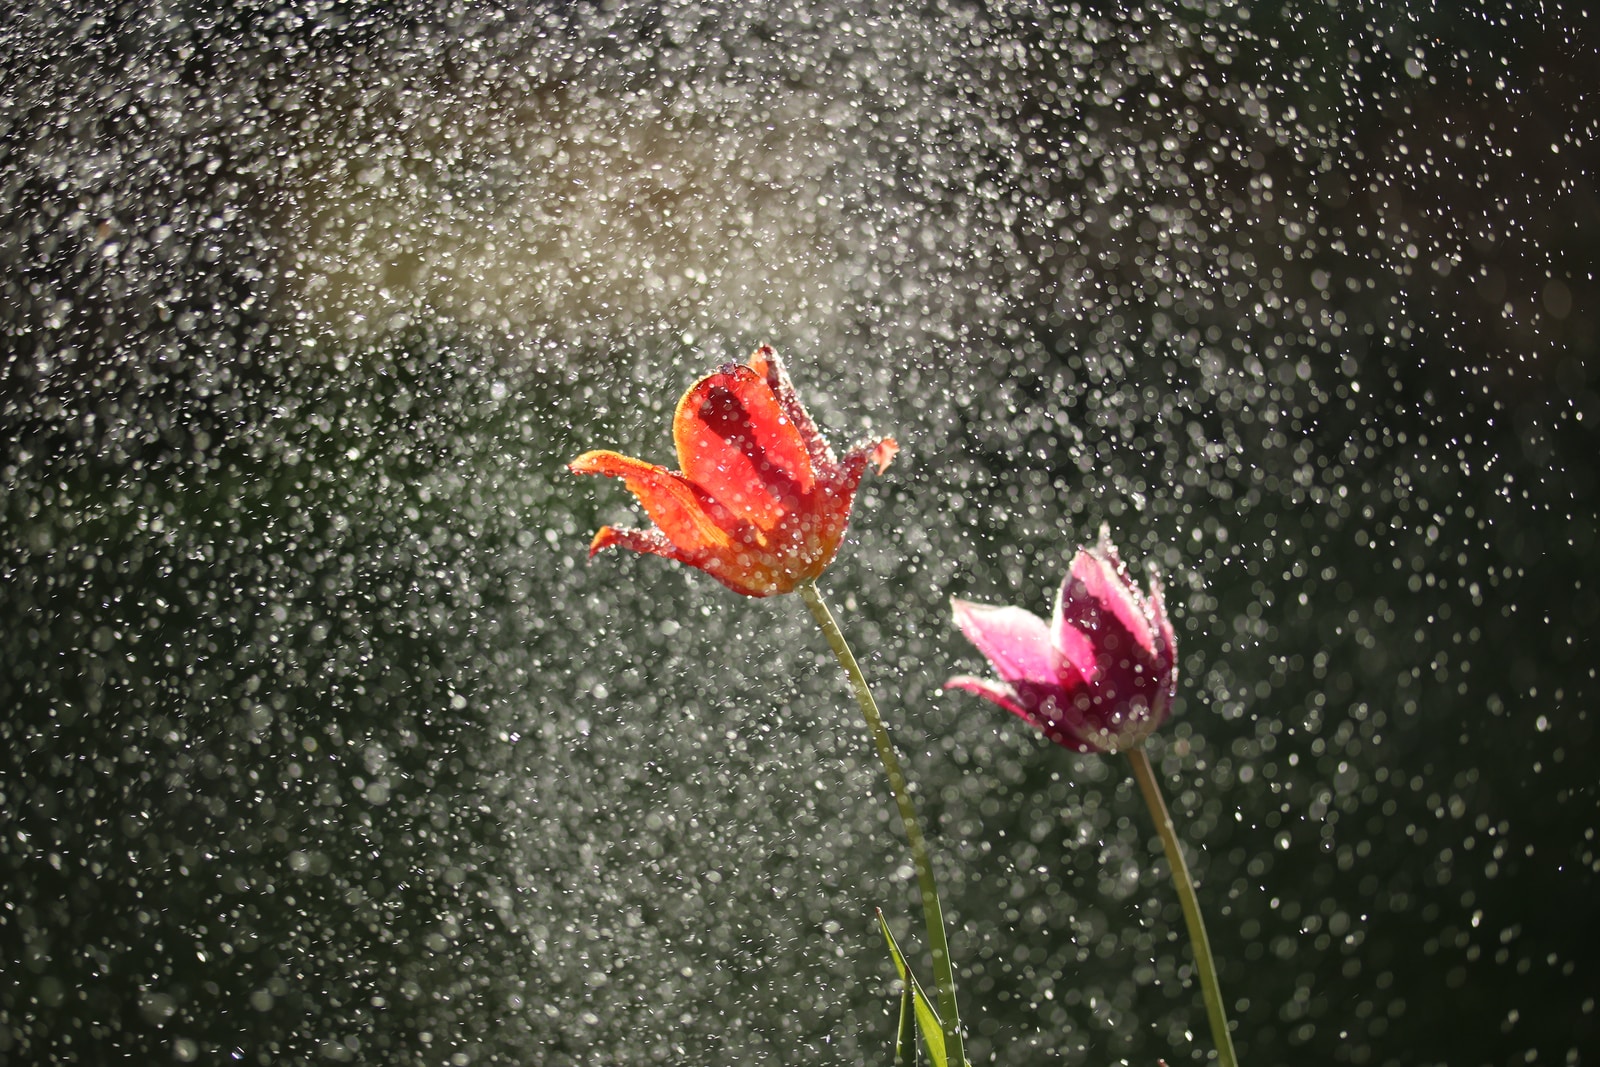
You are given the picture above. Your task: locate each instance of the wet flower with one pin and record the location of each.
(760, 503)
(1099, 677)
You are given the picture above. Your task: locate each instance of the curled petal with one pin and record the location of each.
(1002, 693)
(652, 542)
(693, 522)
(748, 581)
(1045, 709)
(847, 475)
(1014, 640)
(879, 453)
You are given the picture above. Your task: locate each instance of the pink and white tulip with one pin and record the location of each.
(1099, 676)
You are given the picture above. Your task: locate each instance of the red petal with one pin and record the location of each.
(652, 542)
(747, 582)
(883, 452)
(736, 443)
(765, 362)
(689, 521)
(846, 477)
(878, 453)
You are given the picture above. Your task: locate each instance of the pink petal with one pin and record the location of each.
(1060, 714)
(1014, 640)
(1100, 585)
(999, 692)
(1064, 729)
(1075, 648)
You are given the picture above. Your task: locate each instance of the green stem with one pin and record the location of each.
(933, 913)
(1204, 964)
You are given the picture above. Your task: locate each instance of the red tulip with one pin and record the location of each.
(1100, 676)
(760, 504)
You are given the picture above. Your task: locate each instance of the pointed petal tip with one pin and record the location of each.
(604, 538)
(584, 464)
(1088, 560)
(999, 692)
(967, 612)
(605, 461)
(876, 454)
(1103, 553)
(765, 362)
(883, 452)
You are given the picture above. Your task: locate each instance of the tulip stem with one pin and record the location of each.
(1204, 964)
(933, 912)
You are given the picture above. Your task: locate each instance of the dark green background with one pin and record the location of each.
(322, 743)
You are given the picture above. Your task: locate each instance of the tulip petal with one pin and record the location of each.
(1097, 587)
(651, 542)
(1014, 640)
(690, 521)
(878, 453)
(840, 485)
(747, 581)
(1074, 647)
(736, 442)
(1060, 711)
(1026, 703)
(1001, 693)
(765, 362)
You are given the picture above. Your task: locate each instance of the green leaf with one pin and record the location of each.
(927, 1017)
(905, 1038)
